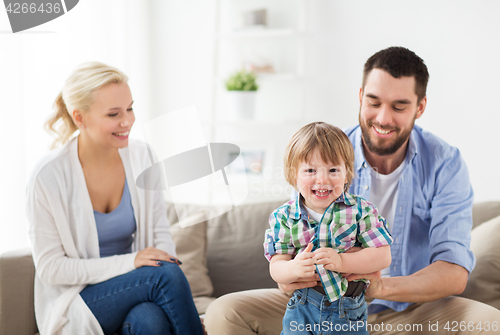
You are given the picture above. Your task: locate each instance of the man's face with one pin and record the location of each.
(388, 109)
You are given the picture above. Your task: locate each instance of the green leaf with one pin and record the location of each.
(242, 81)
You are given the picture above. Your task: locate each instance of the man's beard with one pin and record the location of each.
(391, 147)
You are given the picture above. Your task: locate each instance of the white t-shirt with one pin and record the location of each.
(313, 214)
(384, 195)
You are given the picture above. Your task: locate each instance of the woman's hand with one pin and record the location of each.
(153, 257)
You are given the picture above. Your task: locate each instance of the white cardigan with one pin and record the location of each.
(64, 238)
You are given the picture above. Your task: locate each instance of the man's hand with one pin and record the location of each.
(288, 289)
(303, 263)
(329, 257)
(376, 284)
(375, 278)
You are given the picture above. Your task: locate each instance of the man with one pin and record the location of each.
(421, 185)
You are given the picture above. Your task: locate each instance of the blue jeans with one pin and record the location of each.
(148, 300)
(310, 312)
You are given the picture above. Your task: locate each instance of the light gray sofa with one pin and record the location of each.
(225, 255)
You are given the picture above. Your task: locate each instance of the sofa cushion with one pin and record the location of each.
(17, 274)
(235, 255)
(485, 211)
(191, 247)
(484, 283)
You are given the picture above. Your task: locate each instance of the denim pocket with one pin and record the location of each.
(357, 314)
(294, 300)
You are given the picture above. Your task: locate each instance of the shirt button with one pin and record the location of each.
(366, 187)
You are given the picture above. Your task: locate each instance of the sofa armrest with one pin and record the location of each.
(484, 211)
(484, 284)
(17, 274)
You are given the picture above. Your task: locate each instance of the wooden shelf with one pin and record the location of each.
(268, 77)
(259, 33)
(252, 123)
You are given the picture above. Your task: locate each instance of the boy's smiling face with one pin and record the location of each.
(320, 183)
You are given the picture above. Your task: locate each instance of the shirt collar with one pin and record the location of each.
(298, 209)
(359, 154)
(412, 146)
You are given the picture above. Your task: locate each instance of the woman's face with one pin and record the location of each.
(110, 117)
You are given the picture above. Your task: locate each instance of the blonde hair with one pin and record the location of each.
(333, 144)
(77, 93)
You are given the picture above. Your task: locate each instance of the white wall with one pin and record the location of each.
(167, 49)
(33, 67)
(457, 39)
(181, 54)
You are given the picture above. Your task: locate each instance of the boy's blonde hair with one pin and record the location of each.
(333, 146)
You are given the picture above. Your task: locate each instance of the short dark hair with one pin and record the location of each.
(400, 62)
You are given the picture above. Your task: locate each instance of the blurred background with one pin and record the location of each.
(308, 56)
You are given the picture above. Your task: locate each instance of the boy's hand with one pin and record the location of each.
(353, 249)
(329, 257)
(303, 263)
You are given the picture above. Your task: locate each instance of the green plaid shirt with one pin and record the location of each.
(349, 221)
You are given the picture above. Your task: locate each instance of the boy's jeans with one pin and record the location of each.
(148, 300)
(310, 312)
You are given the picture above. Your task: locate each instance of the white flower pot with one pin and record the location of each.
(241, 104)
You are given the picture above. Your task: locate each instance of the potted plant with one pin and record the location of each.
(242, 88)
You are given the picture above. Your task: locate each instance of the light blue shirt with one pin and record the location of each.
(433, 218)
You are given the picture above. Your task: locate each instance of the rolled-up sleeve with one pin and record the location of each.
(372, 228)
(278, 235)
(451, 214)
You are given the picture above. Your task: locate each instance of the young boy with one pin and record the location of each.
(315, 232)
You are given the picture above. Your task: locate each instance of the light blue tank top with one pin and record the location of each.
(115, 229)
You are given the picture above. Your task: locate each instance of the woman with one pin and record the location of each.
(104, 258)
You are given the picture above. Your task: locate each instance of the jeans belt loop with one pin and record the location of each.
(303, 295)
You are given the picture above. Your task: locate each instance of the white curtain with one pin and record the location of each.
(33, 67)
